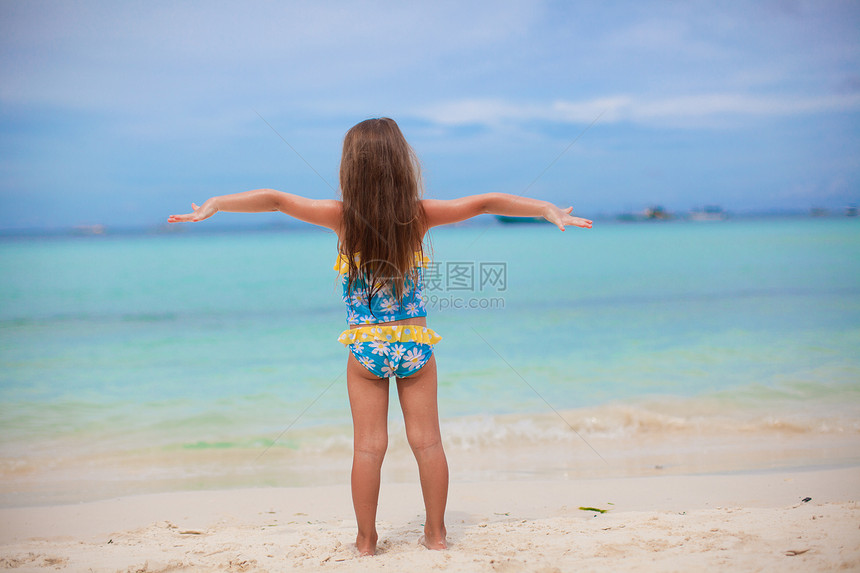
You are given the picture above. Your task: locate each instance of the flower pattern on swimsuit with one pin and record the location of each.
(396, 351)
(383, 306)
(379, 347)
(391, 350)
(413, 356)
(387, 305)
(396, 360)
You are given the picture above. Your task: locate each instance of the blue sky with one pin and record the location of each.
(122, 113)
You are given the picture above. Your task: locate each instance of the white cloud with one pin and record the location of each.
(679, 111)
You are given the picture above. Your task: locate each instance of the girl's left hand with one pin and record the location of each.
(203, 212)
(562, 217)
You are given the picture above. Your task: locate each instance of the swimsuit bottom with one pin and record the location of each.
(386, 351)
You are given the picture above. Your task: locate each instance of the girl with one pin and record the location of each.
(380, 222)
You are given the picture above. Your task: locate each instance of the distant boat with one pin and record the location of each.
(506, 219)
(708, 213)
(657, 213)
(851, 211)
(653, 213)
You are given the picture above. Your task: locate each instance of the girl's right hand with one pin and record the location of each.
(563, 217)
(203, 212)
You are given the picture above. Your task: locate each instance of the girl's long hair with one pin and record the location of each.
(383, 220)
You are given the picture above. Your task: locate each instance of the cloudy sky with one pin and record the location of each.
(124, 112)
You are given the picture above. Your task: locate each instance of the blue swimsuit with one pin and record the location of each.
(387, 350)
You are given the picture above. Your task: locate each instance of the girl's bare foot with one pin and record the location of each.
(366, 546)
(434, 542)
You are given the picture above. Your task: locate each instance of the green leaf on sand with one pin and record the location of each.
(593, 509)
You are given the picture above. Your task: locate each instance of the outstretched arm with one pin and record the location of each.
(322, 212)
(442, 212)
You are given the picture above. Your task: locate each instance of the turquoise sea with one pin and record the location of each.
(200, 359)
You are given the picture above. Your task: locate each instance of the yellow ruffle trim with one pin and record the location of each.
(397, 333)
(341, 265)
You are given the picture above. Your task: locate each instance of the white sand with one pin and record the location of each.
(733, 522)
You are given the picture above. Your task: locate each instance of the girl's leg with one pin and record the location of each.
(421, 416)
(368, 400)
